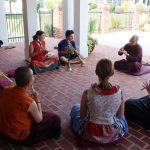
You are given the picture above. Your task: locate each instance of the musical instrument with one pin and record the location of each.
(69, 48)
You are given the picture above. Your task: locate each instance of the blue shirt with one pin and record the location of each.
(64, 44)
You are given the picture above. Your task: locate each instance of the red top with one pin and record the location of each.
(40, 56)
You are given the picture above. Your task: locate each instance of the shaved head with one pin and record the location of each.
(133, 40)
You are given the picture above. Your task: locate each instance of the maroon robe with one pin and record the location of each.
(133, 62)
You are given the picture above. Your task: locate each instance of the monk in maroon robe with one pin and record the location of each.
(133, 53)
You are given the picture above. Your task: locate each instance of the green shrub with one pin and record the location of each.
(47, 29)
(127, 5)
(91, 41)
(91, 44)
(37, 5)
(147, 28)
(143, 20)
(112, 7)
(115, 22)
(92, 6)
(142, 6)
(91, 27)
(49, 4)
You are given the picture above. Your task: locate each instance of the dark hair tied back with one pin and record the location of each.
(38, 33)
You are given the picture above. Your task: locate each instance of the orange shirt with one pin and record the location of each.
(15, 122)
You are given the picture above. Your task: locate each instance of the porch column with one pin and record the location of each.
(3, 26)
(30, 23)
(81, 25)
(105, 17)
(68, 15)
(136, 16)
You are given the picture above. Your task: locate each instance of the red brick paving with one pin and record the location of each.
(60, 89)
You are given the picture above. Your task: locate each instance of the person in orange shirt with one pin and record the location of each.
(21, 118)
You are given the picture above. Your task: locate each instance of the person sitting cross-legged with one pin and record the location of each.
(40, 61)
(67, 51)
(100, 116)
(133, 54)
(139, 109)
(21, 118)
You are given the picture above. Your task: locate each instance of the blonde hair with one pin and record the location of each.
(104, 70)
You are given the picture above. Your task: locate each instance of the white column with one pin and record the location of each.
(68, 15)
(3, 24)
(30, 23)
(81, 25)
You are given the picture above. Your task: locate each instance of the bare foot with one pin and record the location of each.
(83, 63)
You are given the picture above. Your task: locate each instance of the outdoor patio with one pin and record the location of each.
(60, 89)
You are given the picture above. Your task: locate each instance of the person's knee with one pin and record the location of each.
(51, 117)
(133, 67)
(128, 105)
(127, 102)
(64, 59)
(75, 107)
(56, 119)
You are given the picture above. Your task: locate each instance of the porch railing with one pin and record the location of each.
(120, 20)
(15, 27)
(95, 15)
(117, 20)
(46, 22)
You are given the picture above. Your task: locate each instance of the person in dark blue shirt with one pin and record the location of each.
(139, 109)
(67, 51)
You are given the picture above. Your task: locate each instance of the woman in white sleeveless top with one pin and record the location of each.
(100, 117)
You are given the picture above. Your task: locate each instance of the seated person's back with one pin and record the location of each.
(16, 122)
(100, 118)
(21, 116)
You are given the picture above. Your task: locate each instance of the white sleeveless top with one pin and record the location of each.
(103, 108)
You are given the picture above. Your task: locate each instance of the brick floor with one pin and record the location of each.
(60, 89)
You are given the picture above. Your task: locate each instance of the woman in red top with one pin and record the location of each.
(38, 54)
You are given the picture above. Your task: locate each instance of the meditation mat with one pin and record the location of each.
(4, 83)
(144, 70)
(10, 73)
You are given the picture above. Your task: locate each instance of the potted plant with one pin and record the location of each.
(91, 41)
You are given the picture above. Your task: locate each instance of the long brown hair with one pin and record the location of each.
(104, 70)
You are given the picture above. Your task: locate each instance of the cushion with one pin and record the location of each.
(4, 83)
(10, 73)
(144, 70)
